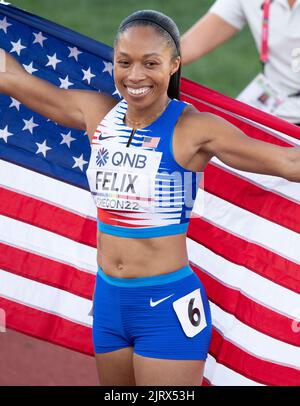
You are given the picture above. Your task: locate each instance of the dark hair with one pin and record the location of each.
(167, 28)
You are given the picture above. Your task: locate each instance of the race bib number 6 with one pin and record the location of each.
(190, 312)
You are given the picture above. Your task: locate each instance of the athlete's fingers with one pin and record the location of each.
(2, 60)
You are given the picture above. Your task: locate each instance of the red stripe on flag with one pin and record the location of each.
(259, 370)
(252, 130)
(48, 271)
(248, 311)
(206, 382)
(241, 252)
(48, 327)
(193, 91)
(264, 203)
(48, 217)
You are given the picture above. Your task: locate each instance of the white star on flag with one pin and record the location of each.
(4, 134)
(117, 92)
(29, 125)
(64, 83)
(88, 75)
(42, 148)
(15, 103)
(74, 52)
(17, 47)
(4, 25)
(53, 61)
(39, 38)
(67, 139)
(79, 162)
(108, 67)
(30, 69)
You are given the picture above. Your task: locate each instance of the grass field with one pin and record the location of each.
(227, 69)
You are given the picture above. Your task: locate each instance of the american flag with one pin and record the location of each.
(150, 142)
(245, 247)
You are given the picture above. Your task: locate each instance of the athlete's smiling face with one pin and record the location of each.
(143, 64)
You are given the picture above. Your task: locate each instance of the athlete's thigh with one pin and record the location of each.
(116, 368)
(164, 372)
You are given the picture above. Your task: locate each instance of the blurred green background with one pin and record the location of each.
(227, 69)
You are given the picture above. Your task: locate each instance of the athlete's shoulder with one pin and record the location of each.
(97, 106)
(198, 127)
(193, 119)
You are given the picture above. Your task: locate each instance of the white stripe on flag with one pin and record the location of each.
(46, 298)
(47, 244)
(281, 186)
(254, 286)
(254, 342)
(262, 232)
(219, 375)
(50, 190)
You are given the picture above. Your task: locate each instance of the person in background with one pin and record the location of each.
(275, 28)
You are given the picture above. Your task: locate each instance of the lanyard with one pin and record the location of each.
(264, 51)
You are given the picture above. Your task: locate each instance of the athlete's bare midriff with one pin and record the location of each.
(137, 257)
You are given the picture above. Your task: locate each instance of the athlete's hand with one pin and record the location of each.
(11, 72)
(9, 64)
(2, 61)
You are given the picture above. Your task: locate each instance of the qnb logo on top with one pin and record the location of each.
(102, 157)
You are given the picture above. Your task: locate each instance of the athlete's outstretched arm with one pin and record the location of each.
(203, 37)
(70, 108)
(225, 141)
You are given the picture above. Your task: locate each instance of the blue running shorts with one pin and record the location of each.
(165, 316)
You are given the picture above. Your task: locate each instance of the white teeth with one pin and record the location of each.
(142, 90)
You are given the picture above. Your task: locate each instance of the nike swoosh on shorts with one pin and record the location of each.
(153, 304)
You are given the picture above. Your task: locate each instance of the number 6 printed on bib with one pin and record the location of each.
(190, 312)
